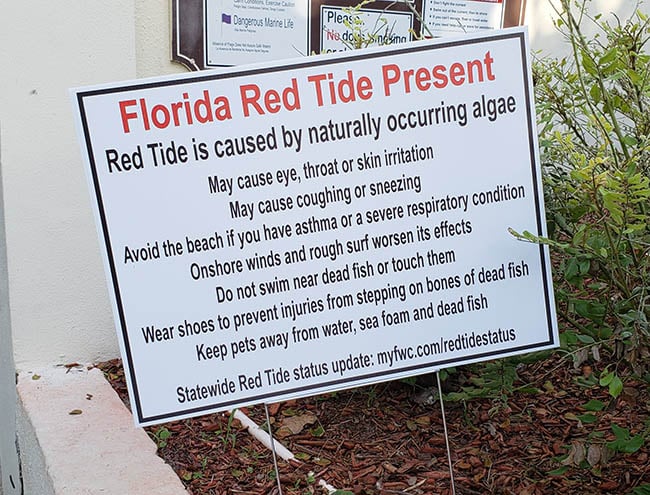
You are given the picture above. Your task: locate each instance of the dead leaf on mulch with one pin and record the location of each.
(292, 425)
(594, 455)
(576, 455)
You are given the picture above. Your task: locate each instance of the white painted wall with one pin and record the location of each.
(58, 294)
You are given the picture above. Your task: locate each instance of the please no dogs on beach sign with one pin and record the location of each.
(296, 227)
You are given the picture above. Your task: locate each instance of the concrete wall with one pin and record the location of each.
(57, 290)
(58, 299)
(59, 305)
(9, 468)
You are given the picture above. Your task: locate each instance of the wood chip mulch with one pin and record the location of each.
(389, 439)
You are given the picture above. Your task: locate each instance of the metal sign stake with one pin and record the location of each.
(275, 457)
(444, 424)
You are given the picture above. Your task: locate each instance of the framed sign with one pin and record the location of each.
(443, 17)
(238, 32)
(384, 22)
(217, 33)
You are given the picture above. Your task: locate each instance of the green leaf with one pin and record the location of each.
(594, 405)
(630, 140)
(593, 310)
(319, 431)
(569, 337)
(589, 65)
(606, 378)
(559, 471)
(641, 490)
(615, 386)
(619, 432)
(587, 418)
(571, 269)
(624, 442)
(634, 76)
(610, 56)
(586, 339)
(635, 443)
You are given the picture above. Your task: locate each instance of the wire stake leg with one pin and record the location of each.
(444, 424)
(275, 457)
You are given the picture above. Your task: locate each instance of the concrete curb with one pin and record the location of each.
(76, 437)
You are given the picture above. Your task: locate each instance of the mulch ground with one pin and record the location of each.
(543, 437)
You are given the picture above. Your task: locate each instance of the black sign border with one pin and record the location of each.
(130, 371)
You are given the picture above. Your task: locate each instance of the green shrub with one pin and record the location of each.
(594, 136)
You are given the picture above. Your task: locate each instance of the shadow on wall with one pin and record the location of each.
(544, 36)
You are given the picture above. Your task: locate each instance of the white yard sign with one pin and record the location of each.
(298, 227)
